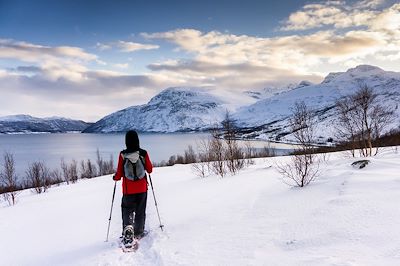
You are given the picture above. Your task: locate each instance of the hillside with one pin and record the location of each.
(347, 216)
(174, 109)
(30, 124)
(269, 117)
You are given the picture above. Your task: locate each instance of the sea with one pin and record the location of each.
(52, 148)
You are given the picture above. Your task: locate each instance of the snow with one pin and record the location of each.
(321, 97)
(348, 216)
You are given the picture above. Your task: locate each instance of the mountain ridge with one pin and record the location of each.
(23, 123)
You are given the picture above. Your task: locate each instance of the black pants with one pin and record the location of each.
(134, 209)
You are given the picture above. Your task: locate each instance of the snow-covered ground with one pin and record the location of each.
(347, 216)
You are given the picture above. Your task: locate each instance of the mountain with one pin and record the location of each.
(269, 92)
(174, 109)
(268, 118)
(30, 124)
(264, 116)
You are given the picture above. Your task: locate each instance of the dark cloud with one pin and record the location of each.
(28, 69)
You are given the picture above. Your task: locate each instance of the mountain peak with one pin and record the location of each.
(363, 69)
(360, 70)
(19, 117)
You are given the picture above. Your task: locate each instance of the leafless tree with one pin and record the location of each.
(217, 154)
(347, 127)
(303, 126)
(38, 177)
(362, 119)
(302, 167)
(8, 179)
(234, 155)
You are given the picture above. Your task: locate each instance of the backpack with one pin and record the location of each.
(134, 166)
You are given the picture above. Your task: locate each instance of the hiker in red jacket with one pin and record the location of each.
(133, 163)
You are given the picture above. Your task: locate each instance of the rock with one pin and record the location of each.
(360, 164)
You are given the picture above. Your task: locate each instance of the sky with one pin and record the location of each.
(87, 59)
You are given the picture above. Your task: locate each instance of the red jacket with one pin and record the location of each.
(130, 186)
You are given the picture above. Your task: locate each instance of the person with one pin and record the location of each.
(133, 163)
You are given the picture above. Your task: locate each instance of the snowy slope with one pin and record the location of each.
(174, 109)
(264, 111)
(347, 216)
(268, 92)
(30, 124)
(321, 97)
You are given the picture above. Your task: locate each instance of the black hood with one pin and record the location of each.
(132, 141)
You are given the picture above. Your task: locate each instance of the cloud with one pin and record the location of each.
(128, 47)
(338, 14)
(363, 32)
(122, 66)
(92, 96)
(37, 53)
(103, 47)
(59, 82)
(215, 56)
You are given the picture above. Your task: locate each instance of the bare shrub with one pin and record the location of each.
(56, 177)
(8, 179)
(70, 171)
(38, 177)
(88, 169)
(104, 167)
(190, 155)
(300, 171)
(266, 151)
(201, 169)
(217, 155)
(249, 153)
(202, 166)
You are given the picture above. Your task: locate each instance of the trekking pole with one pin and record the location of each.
(112, 203)
(155, 201)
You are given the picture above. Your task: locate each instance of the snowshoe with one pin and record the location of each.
(140, 236)
(129, 243)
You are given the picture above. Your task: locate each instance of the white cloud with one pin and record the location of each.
(37, 53)
(103, 47)
(122, 66)
(133, 46)
(214, 57)
(338, 14)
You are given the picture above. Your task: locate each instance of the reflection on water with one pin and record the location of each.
(50, 148)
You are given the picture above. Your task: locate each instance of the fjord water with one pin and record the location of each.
(51, 148)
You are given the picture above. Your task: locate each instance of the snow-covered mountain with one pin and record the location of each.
(30, 124)
(269, 92)
(187, 109)
(270, 115)
(174, 109)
